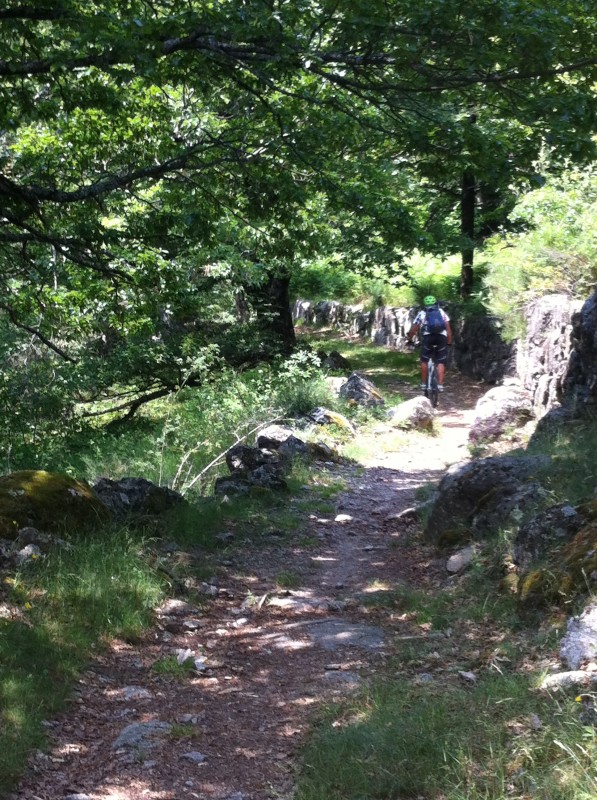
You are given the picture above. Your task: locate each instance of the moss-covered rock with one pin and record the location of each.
(48, 501)
(570, 572)
(539, 587)
(580, 555)
(450, 537)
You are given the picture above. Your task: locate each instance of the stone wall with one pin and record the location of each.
(544, 356)
(386, 325)
(579, 383)
(479, 350)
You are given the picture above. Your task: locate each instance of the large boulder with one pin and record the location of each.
(243, 459)
(49, 501)
(324, 416)
(255, 467)
(272, 437)
(361, 391)
(415, 413)
(550, 528)
(502, 407)
(128, 497)
(478, 497)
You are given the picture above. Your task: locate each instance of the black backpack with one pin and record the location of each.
(435, 320)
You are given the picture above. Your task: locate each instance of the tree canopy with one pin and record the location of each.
(165, 155)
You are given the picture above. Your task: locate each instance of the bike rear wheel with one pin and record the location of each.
(432, 390)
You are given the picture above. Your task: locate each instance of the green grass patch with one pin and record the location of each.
(497, 739)
(573, 451)
(170, 667)
(387, 368)
(287, 580)
(102, 587)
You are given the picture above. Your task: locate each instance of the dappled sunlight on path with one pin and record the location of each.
(272, 655)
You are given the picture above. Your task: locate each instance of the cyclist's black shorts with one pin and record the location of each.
(436, 344)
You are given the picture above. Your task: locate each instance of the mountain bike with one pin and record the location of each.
(431, 390)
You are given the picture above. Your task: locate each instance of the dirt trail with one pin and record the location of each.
(271, 658)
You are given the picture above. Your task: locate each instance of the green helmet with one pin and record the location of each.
(429, 300)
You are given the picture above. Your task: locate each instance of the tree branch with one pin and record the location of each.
(35, 332)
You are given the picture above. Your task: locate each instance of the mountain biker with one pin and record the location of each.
(436, 334)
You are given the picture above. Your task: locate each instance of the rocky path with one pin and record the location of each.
(262, 661)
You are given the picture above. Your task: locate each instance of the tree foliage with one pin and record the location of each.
(160, 160)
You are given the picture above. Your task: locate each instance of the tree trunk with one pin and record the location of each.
(467, 229)
(271, 304)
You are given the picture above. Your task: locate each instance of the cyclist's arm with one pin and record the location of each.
(414, 329)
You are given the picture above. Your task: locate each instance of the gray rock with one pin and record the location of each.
(349, 680)
(567, 680)
(460, 560)
(550, 528)
(544, 359)
(480, 350)
(136, 496)
(242, 459)
(334, 634)
(361, 391)
(479, 495)
(269, 476)
(195, 756)
(173, 607)
(293, 447)
(579, 645)
(130, 693)
(27, 554)
(323, 416)
(231, 485)
(415, 413)
(502, 407)
(273, 436)
(142, 735)
(424, 677)
(336, 361)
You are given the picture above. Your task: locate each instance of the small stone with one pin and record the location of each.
(469, 677)
(536, 723)
(141, 734)
(460, 560)
(195, 756)
(192, 624)
(424, 677)
(343, 518)
(135, 693)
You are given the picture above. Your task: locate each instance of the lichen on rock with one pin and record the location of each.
(49, 501)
